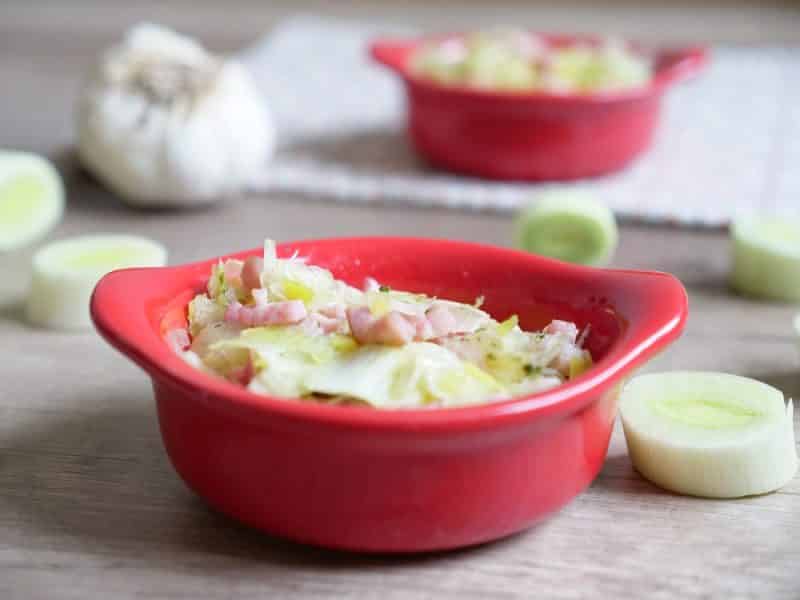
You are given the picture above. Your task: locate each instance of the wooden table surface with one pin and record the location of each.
(91, 508)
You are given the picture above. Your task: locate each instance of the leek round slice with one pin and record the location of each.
(708, 434)
(31, 198)
(66, 272)
(570, 226)
(766, 258)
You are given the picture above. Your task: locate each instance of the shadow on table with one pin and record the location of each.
(12, 309)
(377, 152)
(102, 481)
(711, 286)
(787, 382)
(87, 195)
(618, 477)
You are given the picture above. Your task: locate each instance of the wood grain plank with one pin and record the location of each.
(89, 504)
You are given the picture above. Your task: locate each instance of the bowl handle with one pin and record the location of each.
(392, 53)
(126, 310)
(674, 66)
(656, 306)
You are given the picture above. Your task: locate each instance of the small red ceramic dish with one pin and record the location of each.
(533, 135)
(398, 481)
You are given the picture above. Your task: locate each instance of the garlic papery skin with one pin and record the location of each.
(162, 122)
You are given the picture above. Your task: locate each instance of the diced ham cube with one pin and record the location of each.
(562, 327)
(251, 272)
(276, 313)
(392, 329)
(232, 270)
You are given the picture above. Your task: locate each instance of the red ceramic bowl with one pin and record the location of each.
(532, 135)
(410, 480)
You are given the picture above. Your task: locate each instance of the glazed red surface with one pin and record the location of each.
(533, 135)
(410, 480)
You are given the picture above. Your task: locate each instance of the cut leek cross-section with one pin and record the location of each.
(709, 434)
(65, 273)
(31, 199)
(570, 226)
(766, 258)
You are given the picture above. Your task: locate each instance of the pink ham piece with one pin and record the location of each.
(322, 324)
(564, 328)
(326, 324)
(392, 329)
(232, 269)
(251, 272)
(570, 351)
(328, 319)
(276, 313)
(334, 311)
(397, 328)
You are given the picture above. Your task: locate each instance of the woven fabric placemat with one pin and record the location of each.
(729, 142)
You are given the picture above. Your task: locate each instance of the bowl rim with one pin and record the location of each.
(118, 310)
(681, 63)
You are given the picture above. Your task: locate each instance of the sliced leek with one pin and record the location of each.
(766, 258)
(570, 226)
(65, 273)
(31, 198)
(709, 434)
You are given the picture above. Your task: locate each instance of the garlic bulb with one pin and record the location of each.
(163, 122)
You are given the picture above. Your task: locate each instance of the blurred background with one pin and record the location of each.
(30, 31)
(47, 46)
